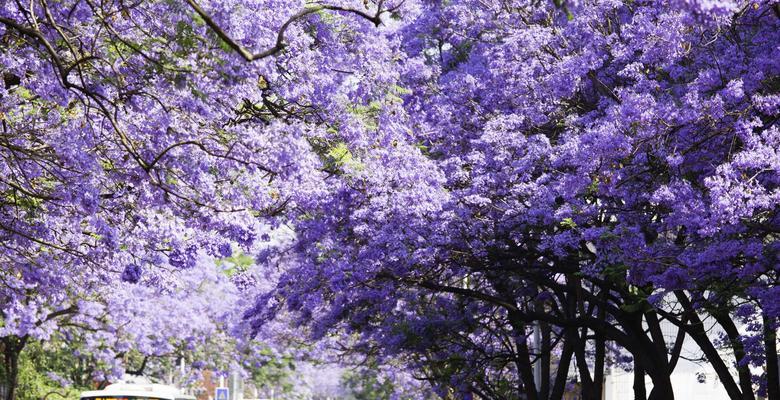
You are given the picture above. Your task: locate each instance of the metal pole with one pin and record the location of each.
(537, 346)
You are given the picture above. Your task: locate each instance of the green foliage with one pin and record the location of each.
(364, 384)
(185, 36)
(369, 114)
(568, 223)
(39, 360)
(339, 156)
(616, 273)
(275, 372)
(336, 156)
(238, 262)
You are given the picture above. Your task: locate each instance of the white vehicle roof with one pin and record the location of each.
(136, 390)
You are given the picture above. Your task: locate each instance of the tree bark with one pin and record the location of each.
(640, 390)
(562, 374)
(523, 363)
(772, 373)
(12, 348)
(600, 344)
(679, 341)
(586, 379)
(743, 369)
(697, 332)
(544, 358)
(662, 387)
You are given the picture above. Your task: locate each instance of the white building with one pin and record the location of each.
(691, 380)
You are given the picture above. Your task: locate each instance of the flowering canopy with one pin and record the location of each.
(454, 172)
(135, 142)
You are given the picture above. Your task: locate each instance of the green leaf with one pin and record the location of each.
(568, 223)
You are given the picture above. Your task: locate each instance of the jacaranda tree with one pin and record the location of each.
(135, 140)
(456, 175)
(591, 170)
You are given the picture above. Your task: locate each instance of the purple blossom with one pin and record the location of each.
(132, 273)
(225, 249)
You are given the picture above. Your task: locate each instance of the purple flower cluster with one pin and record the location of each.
(132, 273)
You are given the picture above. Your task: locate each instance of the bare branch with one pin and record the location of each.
(279, 45)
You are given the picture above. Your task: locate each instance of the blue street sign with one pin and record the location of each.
(221, 393)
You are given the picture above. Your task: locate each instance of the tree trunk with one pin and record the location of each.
(586, 380)
(662, 387)
(772, 373)
(697, 332)
(523, 363)
(679, 341)
(743, 369)
(544, 358)
(662, 384)
(640, 390)
(600, 344)
(562, 374)
(12, 348)
(657, 336)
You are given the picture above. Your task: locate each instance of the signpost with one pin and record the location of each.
(221, 393)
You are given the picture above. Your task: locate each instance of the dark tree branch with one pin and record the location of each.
(279, 45)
